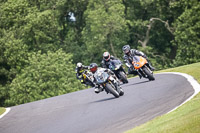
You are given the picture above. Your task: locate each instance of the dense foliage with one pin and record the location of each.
(41, 41)
(46, 75)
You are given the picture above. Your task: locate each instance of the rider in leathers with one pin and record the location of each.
(106, 59)
(94, 69)
(128, 53)
(80, 68)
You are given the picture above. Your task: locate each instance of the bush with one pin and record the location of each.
(47, 75)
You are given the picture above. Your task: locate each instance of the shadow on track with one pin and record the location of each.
(103, 100)
(137, 83)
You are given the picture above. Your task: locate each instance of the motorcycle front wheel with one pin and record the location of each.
(123, 77)
(149, 74)
(112, 90)
(90, 83)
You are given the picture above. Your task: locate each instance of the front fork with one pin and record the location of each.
(139, 72)
(117, 72)
(142, 73)
(115, 82)
(123, 70)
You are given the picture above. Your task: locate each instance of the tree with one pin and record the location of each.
(148, 29)
(13, 56)
(105, 29)
(41, 31)
(187, 36)
(46, 75)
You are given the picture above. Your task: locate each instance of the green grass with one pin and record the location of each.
(186, 119)
(2, 110)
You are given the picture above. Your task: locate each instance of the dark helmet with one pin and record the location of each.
(126, 49)
(93, 67)
(106, 56)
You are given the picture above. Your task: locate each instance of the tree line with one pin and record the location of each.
(41, 41)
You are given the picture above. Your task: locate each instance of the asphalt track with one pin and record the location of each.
(87, 112)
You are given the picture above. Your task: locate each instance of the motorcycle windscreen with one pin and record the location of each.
(139, 61)
(101, 77)
(114, 65)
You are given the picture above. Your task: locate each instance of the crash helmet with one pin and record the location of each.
(106, 56)
(79, 65)
(126, 49)
(93, 67)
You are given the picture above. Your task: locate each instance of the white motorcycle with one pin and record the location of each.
(108, 82)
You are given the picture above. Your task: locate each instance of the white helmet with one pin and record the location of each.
(79, 65)
(106, 56)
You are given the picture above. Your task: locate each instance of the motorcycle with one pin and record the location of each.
(88, 78)
(116, 67)
(141, 65)
(108, 82)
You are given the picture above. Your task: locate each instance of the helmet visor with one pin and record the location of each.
(106, 57)
(126, 51)
(94, 69)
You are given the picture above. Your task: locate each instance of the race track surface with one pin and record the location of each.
(87, 112)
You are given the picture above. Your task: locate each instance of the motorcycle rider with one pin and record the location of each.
(128, 52)
(106, 59)
(80, 68)
(94, 68)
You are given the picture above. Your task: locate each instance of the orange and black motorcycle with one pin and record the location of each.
(141, 65)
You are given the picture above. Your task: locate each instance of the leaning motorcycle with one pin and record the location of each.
(141, 65)
(88, 78)
(108, 82)
(116, 67)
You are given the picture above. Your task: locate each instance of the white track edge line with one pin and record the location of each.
(192, 81)
(7, 110)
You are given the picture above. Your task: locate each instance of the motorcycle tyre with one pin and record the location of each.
(111, 90)
(123, 77)
(150, 75)
(90, 83)
(121, 93)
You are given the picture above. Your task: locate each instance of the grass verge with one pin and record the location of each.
(2, 110)
(186, 119)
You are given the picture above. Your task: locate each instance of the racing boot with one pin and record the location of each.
(98, 89)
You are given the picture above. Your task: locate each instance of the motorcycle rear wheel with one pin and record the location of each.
(90, 83)
(121, 93)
